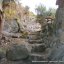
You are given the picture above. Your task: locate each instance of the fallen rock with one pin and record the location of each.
(17, 52)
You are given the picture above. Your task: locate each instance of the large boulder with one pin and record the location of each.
(17, 52)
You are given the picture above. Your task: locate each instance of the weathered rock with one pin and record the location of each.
(2, 53)
(57, 54)
(60, 3)
(14, 26)
(39, 49)
(17, 52)
(11, 26)
(6, 27)
(60, 21)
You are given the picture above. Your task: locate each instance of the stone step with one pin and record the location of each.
(41, 56)
(38, 57)
(36, 47)
(14, 35)
(35, 41)
(34, 37)
(34, 33)
(35, 44)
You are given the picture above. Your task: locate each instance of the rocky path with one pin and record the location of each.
(18, 50)
(11, 47)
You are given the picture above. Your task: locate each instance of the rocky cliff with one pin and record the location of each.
(57, 53)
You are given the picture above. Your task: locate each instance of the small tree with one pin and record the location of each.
(42, 13)
(41, 10)
(51, 12)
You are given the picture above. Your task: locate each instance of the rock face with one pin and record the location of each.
(60, 3)
(17, 52)
(14, 26)
(57, 54)
(60, 20)
(11, 26)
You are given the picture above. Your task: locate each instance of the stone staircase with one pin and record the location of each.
(38, 49)
(34, 38)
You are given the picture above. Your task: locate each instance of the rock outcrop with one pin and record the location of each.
(60, 20)
(11, 26)
(57, 54)
(17, 52)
